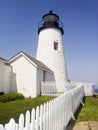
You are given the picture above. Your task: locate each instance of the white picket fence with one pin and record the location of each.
(48, 87)
(53, 115)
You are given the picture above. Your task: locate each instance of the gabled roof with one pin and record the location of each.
(33, 60)
(3, 59)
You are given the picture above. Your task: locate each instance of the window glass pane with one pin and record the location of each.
(55, 45)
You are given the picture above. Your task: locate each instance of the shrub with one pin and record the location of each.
(10, 97)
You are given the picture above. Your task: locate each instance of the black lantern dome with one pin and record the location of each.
(50, 20)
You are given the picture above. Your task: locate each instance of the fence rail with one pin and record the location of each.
(53, 115)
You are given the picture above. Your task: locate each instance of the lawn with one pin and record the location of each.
(14, 108)
(89, 112)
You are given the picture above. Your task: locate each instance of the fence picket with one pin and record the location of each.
(37, 118)
(11, 125)
(21, 122)
(1, 127)
(50, 102)
(27, 121)
(47, 116)
(41, 117)
(33, 119)
(44, 117)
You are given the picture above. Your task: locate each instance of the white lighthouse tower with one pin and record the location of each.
(50, 48)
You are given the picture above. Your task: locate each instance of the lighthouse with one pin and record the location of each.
(50, 48)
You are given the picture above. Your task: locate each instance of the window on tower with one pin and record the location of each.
(55, 45)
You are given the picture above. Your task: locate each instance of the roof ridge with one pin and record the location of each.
(36, 61)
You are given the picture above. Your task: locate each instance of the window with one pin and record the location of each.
(44, 76)
(55, 45)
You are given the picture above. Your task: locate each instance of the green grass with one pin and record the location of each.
(14, 108)
(89, 111)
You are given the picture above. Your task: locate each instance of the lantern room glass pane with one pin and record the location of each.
(50, 18)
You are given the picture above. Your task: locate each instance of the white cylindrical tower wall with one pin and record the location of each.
(51, 52)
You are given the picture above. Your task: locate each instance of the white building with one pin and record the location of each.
(5, 76)
(23, 74)
(44, 75)
(29, 74)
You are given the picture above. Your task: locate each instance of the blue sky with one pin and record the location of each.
(19, 24)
